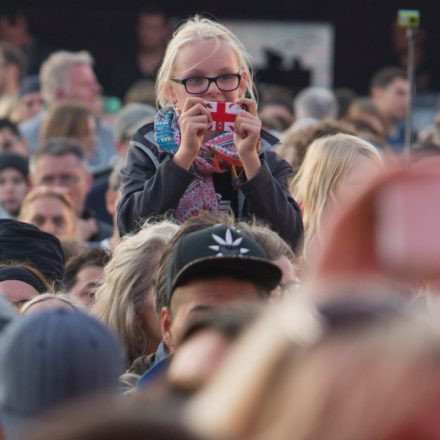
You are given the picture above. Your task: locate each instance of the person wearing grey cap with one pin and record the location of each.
(130, 118)
(50, 359)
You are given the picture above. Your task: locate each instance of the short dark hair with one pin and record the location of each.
(7, 123)
(57, 147)
(91, 257)
(385, 76)
(12, 11)
(154, 9)
(12, 55)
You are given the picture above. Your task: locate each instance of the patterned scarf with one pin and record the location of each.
(217, 155)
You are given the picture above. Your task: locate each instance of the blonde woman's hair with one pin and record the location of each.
(196, 29)
(66, 119)
(127, 283)
(365, 380)
(53, 73)
(327, 162)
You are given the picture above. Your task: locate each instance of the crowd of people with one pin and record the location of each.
(165, 275)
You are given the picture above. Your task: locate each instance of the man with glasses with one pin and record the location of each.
(61, 163)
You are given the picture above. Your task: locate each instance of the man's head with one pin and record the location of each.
(13, 24)
(14, 182)
(211, 268)
(52, 358)
(69, 76)
(10, 138)
(152, 29)
(131, 117)
(60, 162)
(389, 89)
(84, 273)
(30, 102)
(12, 68)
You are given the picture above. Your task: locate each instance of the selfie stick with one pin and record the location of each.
(409, 19)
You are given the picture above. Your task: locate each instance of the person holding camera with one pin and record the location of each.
(182, 165)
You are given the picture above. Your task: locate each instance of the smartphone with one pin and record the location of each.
(223, 115)
(408, 226)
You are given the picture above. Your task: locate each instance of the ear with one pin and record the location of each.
(242, 86)
(170, 95)
(166, 323)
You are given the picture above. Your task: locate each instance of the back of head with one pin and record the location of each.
(295, 142)
(328, 160)
(194, 30)
(131, 118)
(54, 71)
(68, 119)
(128, 278)
(51, 358)
(389, 384)
(316, 103)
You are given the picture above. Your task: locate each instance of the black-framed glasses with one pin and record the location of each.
(196, 85)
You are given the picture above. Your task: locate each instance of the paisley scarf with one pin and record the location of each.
(218, 155)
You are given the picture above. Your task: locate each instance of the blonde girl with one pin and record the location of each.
(178, 165)
(334, 169)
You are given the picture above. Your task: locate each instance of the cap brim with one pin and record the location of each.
(258, 270)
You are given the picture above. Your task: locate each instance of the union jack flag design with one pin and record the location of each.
(223, 115)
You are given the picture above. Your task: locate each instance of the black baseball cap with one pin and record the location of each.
(218, 251)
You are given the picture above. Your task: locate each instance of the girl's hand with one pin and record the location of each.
(247, 136)
(193, 122)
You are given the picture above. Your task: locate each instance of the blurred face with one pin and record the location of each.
(51, 215)
(17, 292)
(198, 358)
(87, 281)
(11, 143)
(64, 172)
(13, 33)
(197, 296)
(393, 100)
(13, 188)
(29, 105)
(152, 31)
(82, 85)
(201, 59)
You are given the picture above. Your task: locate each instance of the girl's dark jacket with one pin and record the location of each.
(153, 185)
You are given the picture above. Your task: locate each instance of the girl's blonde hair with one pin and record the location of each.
(127, 284)
(195, 29)
(327, 162)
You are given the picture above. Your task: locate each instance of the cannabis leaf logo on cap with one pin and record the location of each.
(228, 247)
